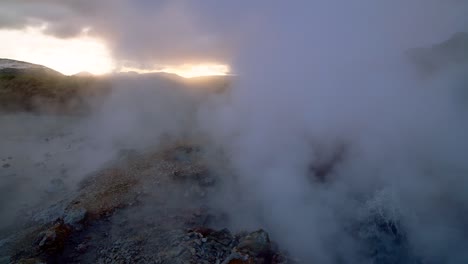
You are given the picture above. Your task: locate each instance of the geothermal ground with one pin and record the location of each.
(151, 206)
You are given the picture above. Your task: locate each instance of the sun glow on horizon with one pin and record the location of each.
(187, 70)
(84, 54)
(68, 56)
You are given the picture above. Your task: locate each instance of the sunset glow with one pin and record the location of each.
(197, 70)
(188, 70)
(83, 54)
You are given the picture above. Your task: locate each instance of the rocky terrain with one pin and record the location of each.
(153, 205)
(144, 205)
(145, 208)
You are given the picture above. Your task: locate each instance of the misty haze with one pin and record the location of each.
(176, 131)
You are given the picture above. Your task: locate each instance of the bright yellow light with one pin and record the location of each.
(188, 70)
(68, 56)
(197, 70)
(82, 53)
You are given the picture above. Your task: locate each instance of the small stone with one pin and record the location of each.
(53, 239)
(256, 243)
(23, 260)
(81, 248)
(204, 239)
(5, 259)
(6, 165)
(48, 237)
(235, 257)
(193, 251)
(75, 216)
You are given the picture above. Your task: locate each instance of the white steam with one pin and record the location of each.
(331, 76)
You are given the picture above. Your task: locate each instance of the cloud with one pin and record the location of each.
(174, 32)
(139, 32)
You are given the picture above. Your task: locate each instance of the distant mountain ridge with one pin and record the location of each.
(31, 87)
(84, 74)
(8, 65)
(450, 53)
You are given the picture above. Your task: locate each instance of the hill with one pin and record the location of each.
(35, 88)
(31, 87)
(448, 54)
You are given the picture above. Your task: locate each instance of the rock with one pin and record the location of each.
(223, 237)
(5, 259)
(236, 258)
(81, 248)
(6, 165)
(193, 251)
(48, 237)
(53, 239)
(255, 243)
(386, 239)
(29, 261)
(49, 214)
(185, 154)
(75, 217)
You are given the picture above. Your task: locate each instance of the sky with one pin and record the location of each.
(105, 36)
(69, 56)
(190, 37)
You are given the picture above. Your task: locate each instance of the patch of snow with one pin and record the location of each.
(5, 63)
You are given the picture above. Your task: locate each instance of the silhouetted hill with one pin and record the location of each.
(31, 87)
(36, 88)
(450, 53)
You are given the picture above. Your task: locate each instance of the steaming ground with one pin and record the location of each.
(155, 163)
(363, 161)
(158, 162)
(133, 181)
(39, 157)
